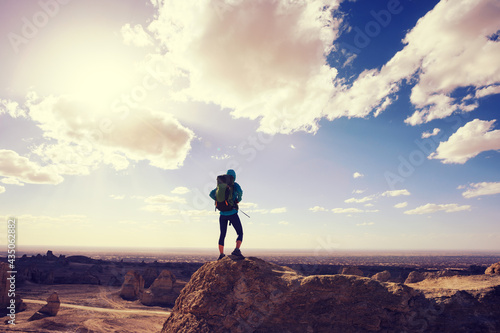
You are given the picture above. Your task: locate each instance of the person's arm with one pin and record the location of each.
(212, 194)
(238, 191)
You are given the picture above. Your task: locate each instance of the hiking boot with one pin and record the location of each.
(222, 255)
(237, 253)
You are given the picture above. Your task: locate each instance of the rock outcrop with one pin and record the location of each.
(383, 276)
(350, 270)
(417, 276)
(252, 295)
(8, 292)
(48, 310)
(150, 274)
(164, 290)
(132, 287)
(493, 269)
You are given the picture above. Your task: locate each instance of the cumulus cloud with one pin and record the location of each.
(11, 181)
(265, 60)
(480, 189)
(135, 35)
(490, 90)
(433, 208)
(180, 190)
(357, 175)
(401, 205)
(278, 210)
(86, 137)
(14, 166)
(11, 108)
(452, 46)
(346, 210)
(467, 142)
(395, 193)
(440, 55)
(434, 132)
(318, 209)
(361, 200)
(2, 189)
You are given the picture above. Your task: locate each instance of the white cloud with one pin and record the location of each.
(354, 200)
(292, 146)
(20, 168)
(347, 210)
(135, 36)
(11, 108)
(357, 175)
(490, 90)
(117, 197)
(467, 142)
(480, 189)
(433, 208)
(446, 43)
(11, 181)
(358, 191)
(401, 205)
(247, 205)
(278, 210)
(318, 209)
(440, 55)
(434, 132)
(264, 60)
(395, 193)
(2, 189)
(180, 190)
(87, 137)
(284, 222)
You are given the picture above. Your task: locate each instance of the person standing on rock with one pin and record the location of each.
(227, 195)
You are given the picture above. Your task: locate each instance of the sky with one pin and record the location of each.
(350, 124)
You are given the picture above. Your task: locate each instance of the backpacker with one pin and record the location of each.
(224, 193)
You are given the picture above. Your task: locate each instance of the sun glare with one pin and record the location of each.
(84, 64)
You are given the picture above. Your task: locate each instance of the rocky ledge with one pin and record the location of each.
(252, 295)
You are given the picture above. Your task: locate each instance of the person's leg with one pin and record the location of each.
(223, 229)
(235, 221)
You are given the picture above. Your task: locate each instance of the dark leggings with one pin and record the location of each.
(235, 221)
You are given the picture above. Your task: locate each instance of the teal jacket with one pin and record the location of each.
(237, 194)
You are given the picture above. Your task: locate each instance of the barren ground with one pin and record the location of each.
(86, 309)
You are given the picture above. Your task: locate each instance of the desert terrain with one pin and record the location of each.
(89, 288)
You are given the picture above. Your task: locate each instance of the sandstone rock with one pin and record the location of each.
(52, 306)
(149, 275)
(5, 287)
(51, 256)
(383, 276)
(493, 269)
(416, 276)
(162, 292)
(48, 310)
(349, 270)
(252, 295)
(132, 287)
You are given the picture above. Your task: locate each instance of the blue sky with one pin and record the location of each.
(350, 124)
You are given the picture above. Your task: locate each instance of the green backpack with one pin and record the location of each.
(224, 193)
